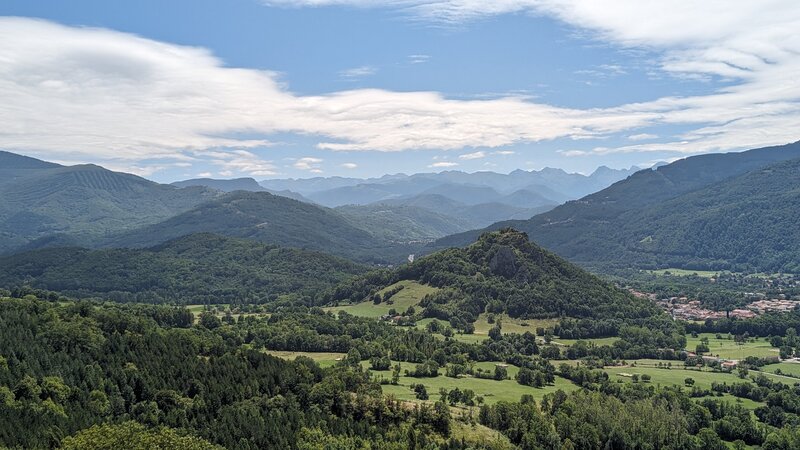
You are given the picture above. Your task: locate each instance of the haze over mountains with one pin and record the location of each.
(716, 211)
(554, 186)
(452, 201)
(44, 204)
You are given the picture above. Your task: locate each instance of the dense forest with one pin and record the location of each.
(200, 269)
(96, 376)
(69, 368)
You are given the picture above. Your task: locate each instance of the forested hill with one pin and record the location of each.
(272, 219)
(40, 200)
(721, 211)
(196, 269)
(503, 272)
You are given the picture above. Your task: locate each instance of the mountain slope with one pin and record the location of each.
(14, 167)
(268, 218)
(238, 184)
(747, 222)
(503, 272)
(471, 216)
(402, 223)
(706, 211)
(194, 269)
(85, 202)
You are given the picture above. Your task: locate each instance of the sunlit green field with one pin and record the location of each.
(491, 390)
(508, 325)
(686, 272)
(324, 359)
(786, 368)
(411, 295)
(728, 348)
(509, 390)
(596, 341)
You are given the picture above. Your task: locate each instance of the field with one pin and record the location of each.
(791, 369)
(491, 390)
(411, 295)
(596, 341)
(324, 359)
(508, 325)
(219, 310)
(509, 390)
(685, 272)
(727, 348)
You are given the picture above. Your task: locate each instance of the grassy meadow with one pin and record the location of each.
(729, 349)
(411, 295)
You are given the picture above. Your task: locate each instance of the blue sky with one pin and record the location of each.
(178, 89)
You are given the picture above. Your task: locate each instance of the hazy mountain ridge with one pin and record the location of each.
(238, 184)
(555, 185)
(706, 211)
(268, 218)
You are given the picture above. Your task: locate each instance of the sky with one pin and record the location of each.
(176, 89)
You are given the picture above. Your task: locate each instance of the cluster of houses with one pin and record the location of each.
(685, 309)
(775, 305)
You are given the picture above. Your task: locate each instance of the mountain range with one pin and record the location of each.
(553, 186)
(454, 201)
(716, 211)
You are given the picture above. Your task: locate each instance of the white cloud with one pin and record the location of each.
(475, 155)
(307, 163)
(642, 137)
(504, 152)
(349, 165)
(754, 44)
(203, 175)
(241, 161)
(571, 153)
(226, 173)
(442, 164)
(358, 72)
(418, 59)
(104, 96)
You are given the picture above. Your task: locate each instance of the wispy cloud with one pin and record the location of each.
(358, 72)
(475, 155)
(418, 59)
(349, 165)
(442, 164)
(307, 163)
(642, 137)
(571, 153)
